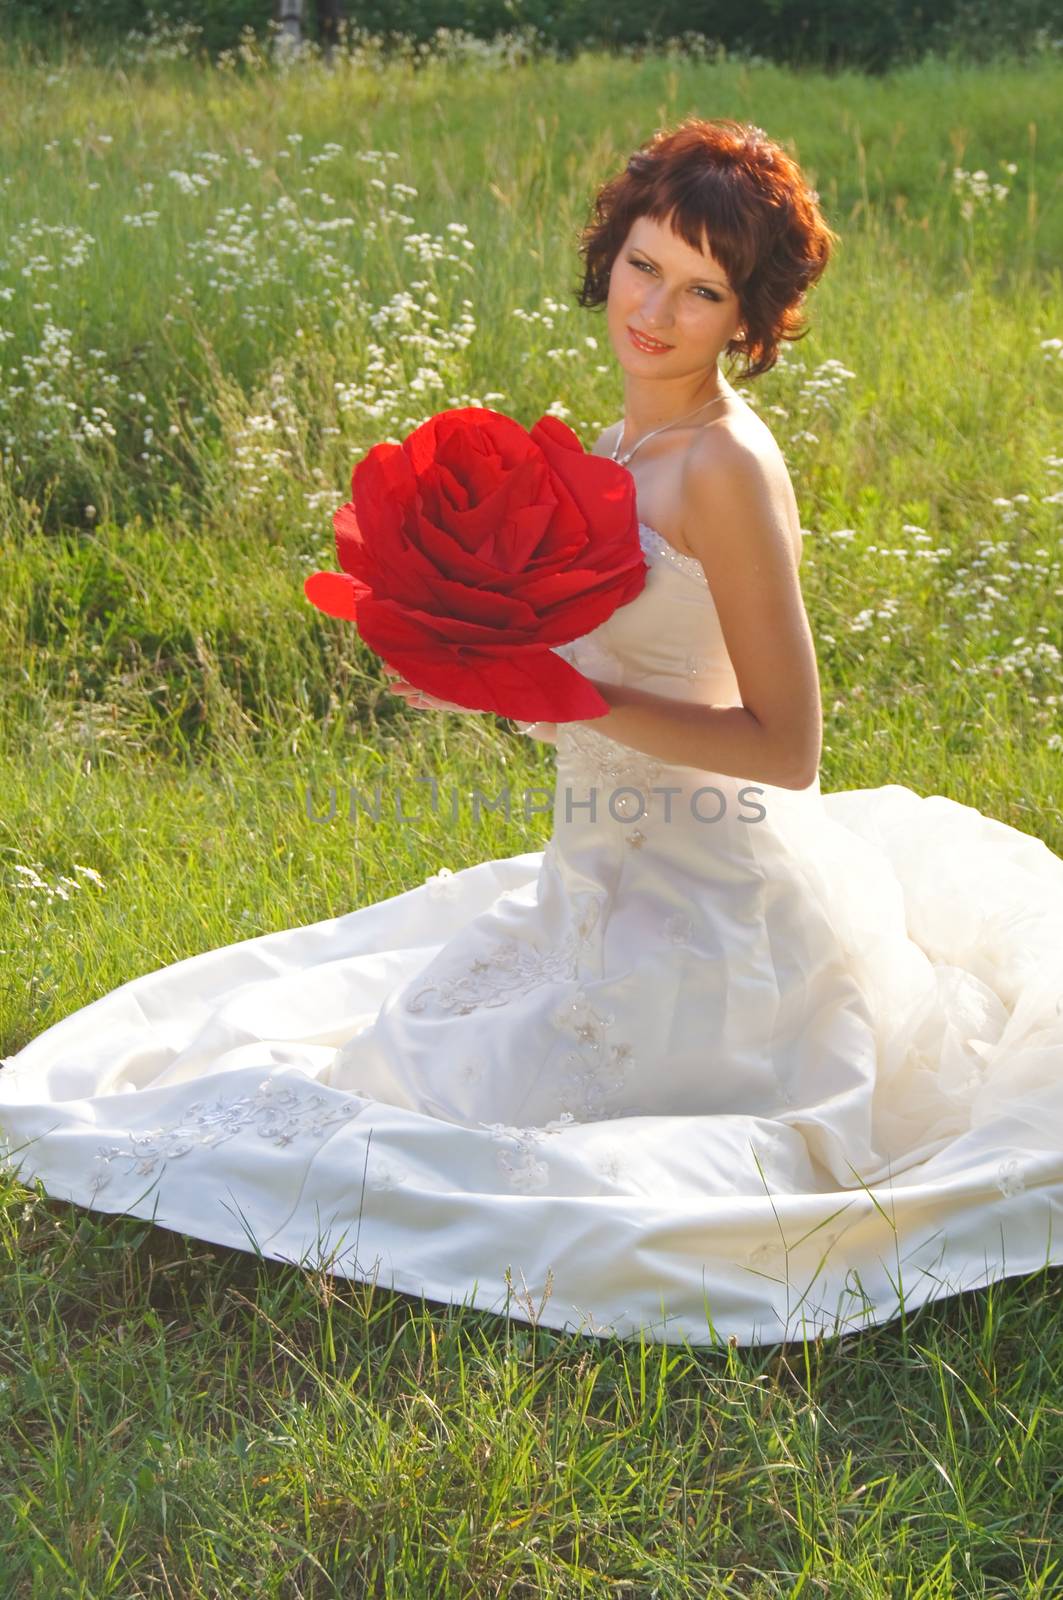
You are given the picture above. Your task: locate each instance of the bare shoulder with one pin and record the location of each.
(739, 459)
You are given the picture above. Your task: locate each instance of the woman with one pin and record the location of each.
(729, 1057)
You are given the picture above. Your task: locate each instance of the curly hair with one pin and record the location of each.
(729, 181)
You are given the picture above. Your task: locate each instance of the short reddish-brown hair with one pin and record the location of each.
(728, 181)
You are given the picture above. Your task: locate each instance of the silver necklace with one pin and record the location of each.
(623, 460)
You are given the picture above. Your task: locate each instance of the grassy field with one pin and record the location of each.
(218, 287)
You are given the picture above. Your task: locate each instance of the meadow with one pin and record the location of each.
(220, 284)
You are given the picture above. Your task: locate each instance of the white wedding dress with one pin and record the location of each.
(722, 1060)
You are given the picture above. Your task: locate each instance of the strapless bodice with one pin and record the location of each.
(667, 640)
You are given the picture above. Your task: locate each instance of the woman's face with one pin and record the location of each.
(661, 287)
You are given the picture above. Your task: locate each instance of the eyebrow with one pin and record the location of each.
(717, 281)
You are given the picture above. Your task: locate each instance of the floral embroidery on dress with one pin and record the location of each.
(768, 1254)
(610, 1165)
(278, 1113)
(523, 1167)
(472, 1070)
(383, 1173)
(677, 928)
(599, 1068)
(610, 765)
(1010, 1179)
(774, 1252)
(513, 969)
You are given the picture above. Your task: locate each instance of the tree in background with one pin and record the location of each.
(289, 14)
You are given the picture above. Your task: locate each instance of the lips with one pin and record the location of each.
(643, 341)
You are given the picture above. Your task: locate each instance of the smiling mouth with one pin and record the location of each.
(649, 344)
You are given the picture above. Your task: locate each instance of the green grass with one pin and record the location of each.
(182, 1420)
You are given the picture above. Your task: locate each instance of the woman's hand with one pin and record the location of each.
(418, 697)
(546, 731)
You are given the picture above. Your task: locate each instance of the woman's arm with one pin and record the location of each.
(725, 739)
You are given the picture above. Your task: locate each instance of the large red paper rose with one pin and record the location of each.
(473, 548)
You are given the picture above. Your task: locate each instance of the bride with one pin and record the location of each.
(729, 1057)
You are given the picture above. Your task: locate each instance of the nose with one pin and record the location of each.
(656, 312)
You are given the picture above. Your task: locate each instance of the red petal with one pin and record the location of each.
(532, 684)
(335, 593)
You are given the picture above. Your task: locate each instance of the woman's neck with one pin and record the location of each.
(650, 405)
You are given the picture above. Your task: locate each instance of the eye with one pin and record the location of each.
(698, 288)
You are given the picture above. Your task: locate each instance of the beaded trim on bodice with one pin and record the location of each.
(655, 544)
